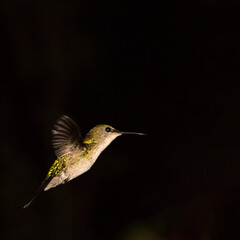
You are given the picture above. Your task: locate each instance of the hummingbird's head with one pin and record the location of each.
(103, 135)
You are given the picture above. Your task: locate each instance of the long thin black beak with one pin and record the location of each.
(135, 133)
(123, 133)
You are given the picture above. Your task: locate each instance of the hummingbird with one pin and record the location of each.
(75, 154)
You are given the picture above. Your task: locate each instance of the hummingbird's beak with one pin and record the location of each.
(135, 133)
(123, 133)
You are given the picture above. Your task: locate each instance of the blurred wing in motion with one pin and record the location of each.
(66, 136)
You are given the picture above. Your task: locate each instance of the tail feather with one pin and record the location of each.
(40, 189)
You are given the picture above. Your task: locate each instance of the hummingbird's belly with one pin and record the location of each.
(71, 172)
(79, 168)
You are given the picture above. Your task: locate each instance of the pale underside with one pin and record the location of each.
(79, 162)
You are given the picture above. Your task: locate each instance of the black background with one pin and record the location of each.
(168, 70)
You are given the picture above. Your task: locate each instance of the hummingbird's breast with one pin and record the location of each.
(81, 161)
(84, 158)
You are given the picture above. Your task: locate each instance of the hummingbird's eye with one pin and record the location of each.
(108, 129)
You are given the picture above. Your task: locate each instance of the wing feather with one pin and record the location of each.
(66, 136)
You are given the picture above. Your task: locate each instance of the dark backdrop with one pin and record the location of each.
(168, 70)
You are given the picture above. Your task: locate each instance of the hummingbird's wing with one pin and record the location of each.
(66, 136)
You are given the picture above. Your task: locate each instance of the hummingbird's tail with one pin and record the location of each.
(40, 189)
